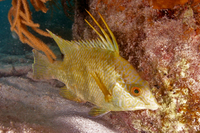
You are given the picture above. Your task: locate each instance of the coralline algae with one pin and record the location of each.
(163, 45)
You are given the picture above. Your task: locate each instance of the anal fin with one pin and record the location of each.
(66, 93)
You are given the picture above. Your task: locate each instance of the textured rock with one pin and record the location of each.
(36, 106)
(163, 45)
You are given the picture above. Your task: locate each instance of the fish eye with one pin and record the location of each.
(136, 91)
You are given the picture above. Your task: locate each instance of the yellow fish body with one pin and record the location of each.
(93, 71)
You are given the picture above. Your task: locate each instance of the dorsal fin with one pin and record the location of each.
(103, 42)
(64, 45)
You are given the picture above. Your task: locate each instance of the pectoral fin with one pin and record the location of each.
(97, 111)
(66, 93)
(107, 94)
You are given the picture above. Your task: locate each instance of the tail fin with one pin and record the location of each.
(41, 66)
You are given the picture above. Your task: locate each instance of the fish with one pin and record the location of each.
(93, 71)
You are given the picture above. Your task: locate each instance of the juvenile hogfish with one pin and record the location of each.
(93, 71)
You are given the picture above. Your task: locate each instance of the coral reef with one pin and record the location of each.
(161, 4)
(163, 45)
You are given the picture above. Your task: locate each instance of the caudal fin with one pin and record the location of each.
(41, 66)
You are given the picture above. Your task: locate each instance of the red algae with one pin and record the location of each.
(166, 4)
(164, 46)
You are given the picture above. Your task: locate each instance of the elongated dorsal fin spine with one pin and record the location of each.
(101, 37)
(111, 44)
(111, 34)
(104, 33)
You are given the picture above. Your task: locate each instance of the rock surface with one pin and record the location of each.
(161, 40)
(36, 106)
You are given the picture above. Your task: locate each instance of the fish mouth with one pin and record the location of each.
(150, 107)
(153, 106)
(145, 101)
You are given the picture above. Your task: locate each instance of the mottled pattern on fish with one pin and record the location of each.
(93, 71)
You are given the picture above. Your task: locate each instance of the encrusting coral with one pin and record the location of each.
(19, 17)
(166, 4)
(162, 43)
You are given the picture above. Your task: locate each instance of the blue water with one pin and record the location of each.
(4, 26)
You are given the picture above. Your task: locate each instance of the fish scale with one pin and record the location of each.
(128, 72)
(93, 71)
(100, 65)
